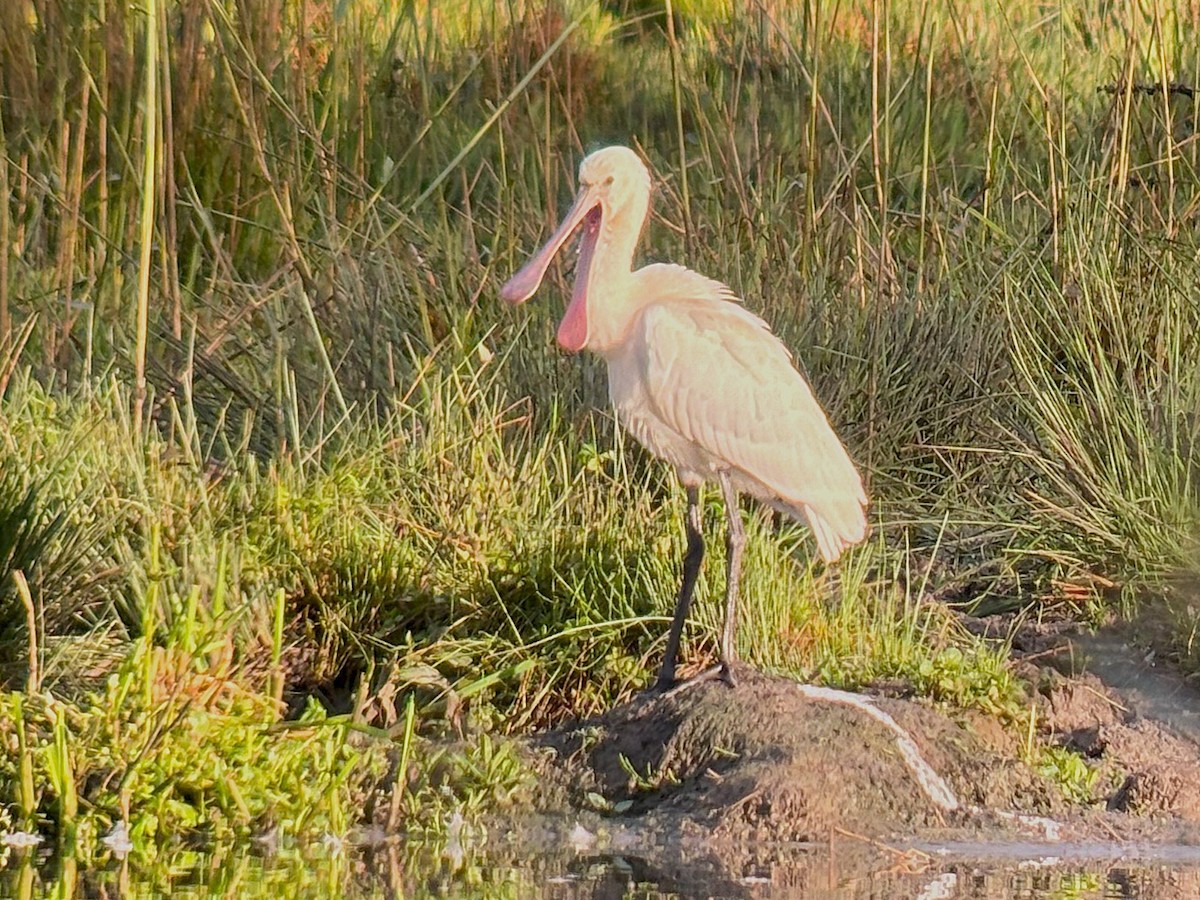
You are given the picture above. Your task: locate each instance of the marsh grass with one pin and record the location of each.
(268, 439)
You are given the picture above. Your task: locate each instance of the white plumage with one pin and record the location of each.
(698, 380)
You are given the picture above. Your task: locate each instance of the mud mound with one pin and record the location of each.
(1134, 720)
(765, 761)
(776, 786)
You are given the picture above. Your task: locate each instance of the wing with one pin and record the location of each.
(716, 374)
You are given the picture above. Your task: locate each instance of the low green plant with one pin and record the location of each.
(198, 754)
(1070, 772)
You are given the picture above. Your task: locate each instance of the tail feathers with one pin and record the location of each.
(836, 533)
(836, 522)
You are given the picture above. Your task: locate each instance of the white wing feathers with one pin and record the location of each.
(716, 375)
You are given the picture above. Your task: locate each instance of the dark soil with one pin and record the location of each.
(760, 761)
(763, 791)
(720, 774)
(1132, 716)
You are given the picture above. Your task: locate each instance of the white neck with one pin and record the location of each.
(612, 301)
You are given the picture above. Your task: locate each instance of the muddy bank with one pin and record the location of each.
(1111, 697)
(719, 773)
(764, 761)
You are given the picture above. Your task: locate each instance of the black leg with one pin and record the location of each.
(691, 570)
(735, 540)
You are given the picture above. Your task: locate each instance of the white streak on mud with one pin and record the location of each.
(931, 782)
(580, 838)
(941, 888)
(1048, 827)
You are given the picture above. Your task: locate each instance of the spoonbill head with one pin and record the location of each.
(698, 380)
(610, 209)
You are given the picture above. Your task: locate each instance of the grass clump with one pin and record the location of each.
(192, 757)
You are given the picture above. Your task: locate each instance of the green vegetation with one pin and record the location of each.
(1070, 771)
(275, 464)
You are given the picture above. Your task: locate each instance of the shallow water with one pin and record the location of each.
(849, 868)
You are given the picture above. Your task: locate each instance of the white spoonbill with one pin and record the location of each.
(699, 381)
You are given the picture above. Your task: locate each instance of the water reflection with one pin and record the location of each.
(415, 871)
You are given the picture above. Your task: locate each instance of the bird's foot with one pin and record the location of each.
(665, 682)
(668, 686)
(661, 687)
(725, 670)
(676, 687)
